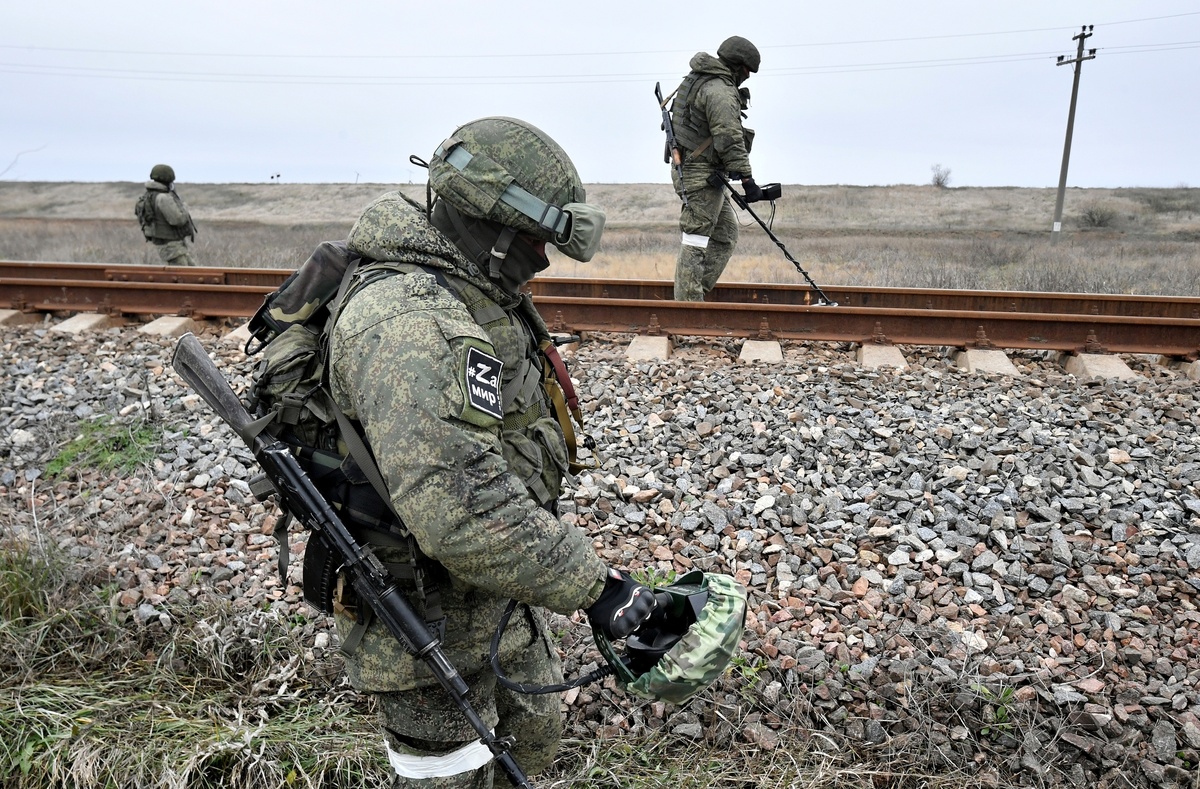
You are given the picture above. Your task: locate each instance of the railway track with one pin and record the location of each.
(901, 316)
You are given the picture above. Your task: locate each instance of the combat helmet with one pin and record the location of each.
(508, 171)
(738, 51)
(162, 173)
(681, 650)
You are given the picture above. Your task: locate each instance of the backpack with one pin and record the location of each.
(144, 211)
(291, 401)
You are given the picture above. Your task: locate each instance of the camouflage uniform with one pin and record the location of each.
(707, 119)
(172, 225)
(474, 467)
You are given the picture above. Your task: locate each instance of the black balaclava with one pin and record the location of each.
(497, 250)
(740, 72)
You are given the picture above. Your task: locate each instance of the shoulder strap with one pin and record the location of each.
(349, 433)
(429, 593)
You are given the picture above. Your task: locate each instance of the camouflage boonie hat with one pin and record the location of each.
(699, 657)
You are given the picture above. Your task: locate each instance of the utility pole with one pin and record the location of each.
(1084, 33)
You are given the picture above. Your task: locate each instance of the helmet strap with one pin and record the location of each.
(462, 237)
(419, 162)
(500, 251)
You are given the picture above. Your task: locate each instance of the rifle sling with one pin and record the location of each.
(699, 149)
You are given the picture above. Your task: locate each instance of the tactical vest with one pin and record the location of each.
(518, 336)
(158, 229)
(691, 128)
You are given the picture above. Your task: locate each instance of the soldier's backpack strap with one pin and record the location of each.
(429, 594)
(558, 386)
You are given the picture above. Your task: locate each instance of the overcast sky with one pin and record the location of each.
(863, 92)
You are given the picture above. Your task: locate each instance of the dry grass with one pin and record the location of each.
(236, 700)
(1115, 241)
(213, 698)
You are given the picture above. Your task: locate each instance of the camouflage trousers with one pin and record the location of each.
(709, 233)
(425, 722)
(174, 253)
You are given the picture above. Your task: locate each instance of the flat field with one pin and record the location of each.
(1131, 240)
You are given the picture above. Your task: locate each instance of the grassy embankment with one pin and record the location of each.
(1137, 240)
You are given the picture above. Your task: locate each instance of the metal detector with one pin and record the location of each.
(773, 191)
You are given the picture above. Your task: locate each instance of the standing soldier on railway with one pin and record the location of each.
(164, 218)
(707, 118)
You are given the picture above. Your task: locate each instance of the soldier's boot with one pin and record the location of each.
(689, 274)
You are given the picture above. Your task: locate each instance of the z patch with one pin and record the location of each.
(483, 382)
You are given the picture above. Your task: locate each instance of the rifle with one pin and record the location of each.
(742, 203)
(299, 496)
(671, 155)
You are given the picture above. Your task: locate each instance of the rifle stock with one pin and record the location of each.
(673, 155)
(298, 495)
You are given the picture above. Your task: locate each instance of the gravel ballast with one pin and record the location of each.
(996, 572)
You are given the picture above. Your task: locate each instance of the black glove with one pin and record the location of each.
(623, 607)
(753, 193)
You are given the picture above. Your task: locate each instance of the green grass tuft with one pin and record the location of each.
(108, 445)
(90, 697)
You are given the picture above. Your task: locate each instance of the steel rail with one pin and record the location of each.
(1179, 337)
(659, 290)
(196, 299)
(125, 272)
(978, 328)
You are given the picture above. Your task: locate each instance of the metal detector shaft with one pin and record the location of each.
(745, 206)
(371, 580)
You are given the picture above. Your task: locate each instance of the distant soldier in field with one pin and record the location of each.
(164, 218)
(707, 117)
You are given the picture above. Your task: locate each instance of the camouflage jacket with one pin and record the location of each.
(708, 105)
(465, 439)
(172, 221)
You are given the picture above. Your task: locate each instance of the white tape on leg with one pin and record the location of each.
(471, 756)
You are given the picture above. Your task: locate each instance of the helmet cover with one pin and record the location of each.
(701, 654)
(509, 171)
(740, 52)
(162, 173)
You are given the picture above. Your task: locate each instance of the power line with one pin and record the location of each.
(1016, 56)
(970, 35)
(488, 78)
(624, 53)
(1138, 49)
(159, 75)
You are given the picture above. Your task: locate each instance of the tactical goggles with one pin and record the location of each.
(574, 229)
